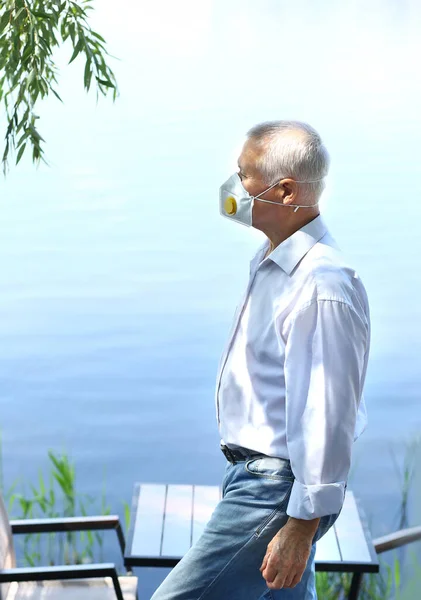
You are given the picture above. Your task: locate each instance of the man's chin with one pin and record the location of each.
(259, 227)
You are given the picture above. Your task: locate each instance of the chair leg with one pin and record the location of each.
(355, 586)
(117, 588)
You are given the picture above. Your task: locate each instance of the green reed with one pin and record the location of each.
(56, 497)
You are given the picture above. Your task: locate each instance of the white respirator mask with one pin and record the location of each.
(236, 204)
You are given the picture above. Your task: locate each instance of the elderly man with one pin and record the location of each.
(289, 394)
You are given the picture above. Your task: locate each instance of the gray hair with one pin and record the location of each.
(291, 149)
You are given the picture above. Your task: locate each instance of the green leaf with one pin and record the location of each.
(5, 20)
(41, 13)
(78, 48)
(88, 74)
(72, 32)
(35, 133)
(45, 45)
(78, 9)
(57, 96)
(35, 96)
(3, 61)
(89, 79)
(6, 151)
(23, 138)
(20, 153)
(102, 66)
(97, 36)
(17, 15)
(104, 82)
(27, 52)
(44, 86)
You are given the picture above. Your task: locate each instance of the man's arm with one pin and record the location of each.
(324, 365)
(303, 527)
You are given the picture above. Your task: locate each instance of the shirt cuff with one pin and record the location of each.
(312, 501)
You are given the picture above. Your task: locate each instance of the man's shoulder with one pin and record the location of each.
(328, 275)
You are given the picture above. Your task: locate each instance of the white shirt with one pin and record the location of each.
(290, 381)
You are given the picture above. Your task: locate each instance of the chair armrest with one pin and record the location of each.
(397, 539)
(70, 524)
(63, 572)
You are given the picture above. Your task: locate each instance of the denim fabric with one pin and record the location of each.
(224, 562)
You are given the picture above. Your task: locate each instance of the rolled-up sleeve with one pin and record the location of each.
(325, 360)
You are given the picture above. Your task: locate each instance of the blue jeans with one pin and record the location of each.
(224, 562)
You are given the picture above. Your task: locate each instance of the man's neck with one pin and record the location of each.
(277, 237)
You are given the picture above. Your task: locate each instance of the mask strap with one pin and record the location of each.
(296, 181)
(297, 205)
(269, 188)
(285, 205)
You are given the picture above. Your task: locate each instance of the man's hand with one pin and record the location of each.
(287, 554)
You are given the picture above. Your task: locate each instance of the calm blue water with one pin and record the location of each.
(118, 277)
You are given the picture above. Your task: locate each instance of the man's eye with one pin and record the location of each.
(241, 175)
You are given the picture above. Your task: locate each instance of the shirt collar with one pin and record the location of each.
(289, 253)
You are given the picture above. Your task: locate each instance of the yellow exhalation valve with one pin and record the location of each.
(230, 205)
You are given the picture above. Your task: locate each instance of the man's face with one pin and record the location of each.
(254, 184)
(249, 174)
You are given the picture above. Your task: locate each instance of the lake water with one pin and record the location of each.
(118, 277)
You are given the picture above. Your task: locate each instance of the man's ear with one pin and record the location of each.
(289, 187)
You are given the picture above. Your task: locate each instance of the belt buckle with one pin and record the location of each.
(228, 454)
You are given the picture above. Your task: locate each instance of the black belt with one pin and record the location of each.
(238, 454)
